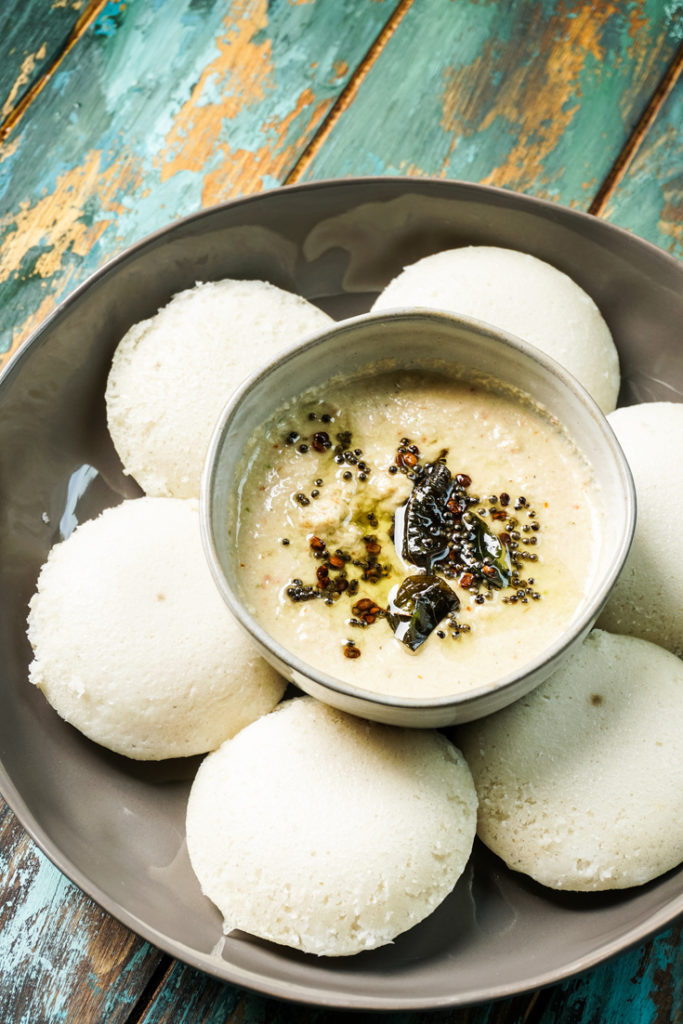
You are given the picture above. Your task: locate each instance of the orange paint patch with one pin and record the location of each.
(54, 226)
(541, 95)
(54, 223)
(242, 172)
(247, 66)
(341, 69)
(26, 329)
(28, 66)
(670, 224)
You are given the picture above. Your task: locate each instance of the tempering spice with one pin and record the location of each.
(443, 530)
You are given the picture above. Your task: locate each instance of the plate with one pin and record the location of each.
(116, 827)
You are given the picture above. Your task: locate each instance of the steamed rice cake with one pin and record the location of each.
(329, 833)
(520, 294)
(132, 642)
(647, 600)
(171, 375)
(580, 783)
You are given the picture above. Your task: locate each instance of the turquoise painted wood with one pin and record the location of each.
(190, 997)
(160, 109)
(537, 97)
(97, 974)
(649, 199)
(641, 986)
(31, 36)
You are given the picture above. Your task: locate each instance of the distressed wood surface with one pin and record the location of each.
(537, 97)
(540, 97)
(205, 1001)
(642, 986)
(31, 37)
(62, 958)
(649, 197)
(159, 110)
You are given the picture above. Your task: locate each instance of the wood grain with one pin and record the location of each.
(121, 140)
(187, 994)
(540, 98)
(649, 196)
(642, 986)
(96, 975)
(32, 35)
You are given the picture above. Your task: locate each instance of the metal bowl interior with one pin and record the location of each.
(116, 827)
(452, 346)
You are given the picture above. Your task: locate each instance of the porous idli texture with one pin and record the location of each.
(580, 784)
(132, 642)
(329, 833)
(647, 600)
(520, 294)
(172, 375)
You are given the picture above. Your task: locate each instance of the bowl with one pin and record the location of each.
(426, 341)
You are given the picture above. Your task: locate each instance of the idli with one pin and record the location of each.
(520, 294)
(329, 833)
(132, 642)
(580, 783)
(647, 600)
(171, 375)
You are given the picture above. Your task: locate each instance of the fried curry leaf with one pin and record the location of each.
(487, 545)
(425, 529)
(419, 605)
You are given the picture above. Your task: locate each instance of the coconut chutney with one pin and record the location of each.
(413, 534)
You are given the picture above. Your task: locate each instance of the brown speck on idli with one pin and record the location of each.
(580, 783)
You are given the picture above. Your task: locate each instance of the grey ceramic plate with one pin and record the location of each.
(116, 827)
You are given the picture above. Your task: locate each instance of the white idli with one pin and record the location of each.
(133, 644)
(647, 600)
(580, 783)
(172, 375)
(520, 294)
(329, 833)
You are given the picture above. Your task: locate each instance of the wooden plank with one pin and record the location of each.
(62, 958)
(536, 97)
(32, 34)
(240, 92)
(649, 198)
(187, 994)
(642, 986)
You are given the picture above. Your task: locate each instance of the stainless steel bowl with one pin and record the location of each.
(414, 339)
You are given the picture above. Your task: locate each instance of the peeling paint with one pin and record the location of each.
(649, 199)
(536, 97)
(56, 223)
(118, 143)
(48, 980)
(241, 74)
(26, 73)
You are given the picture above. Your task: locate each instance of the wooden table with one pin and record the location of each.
(117, 117)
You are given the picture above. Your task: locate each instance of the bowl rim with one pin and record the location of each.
(578, 626)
